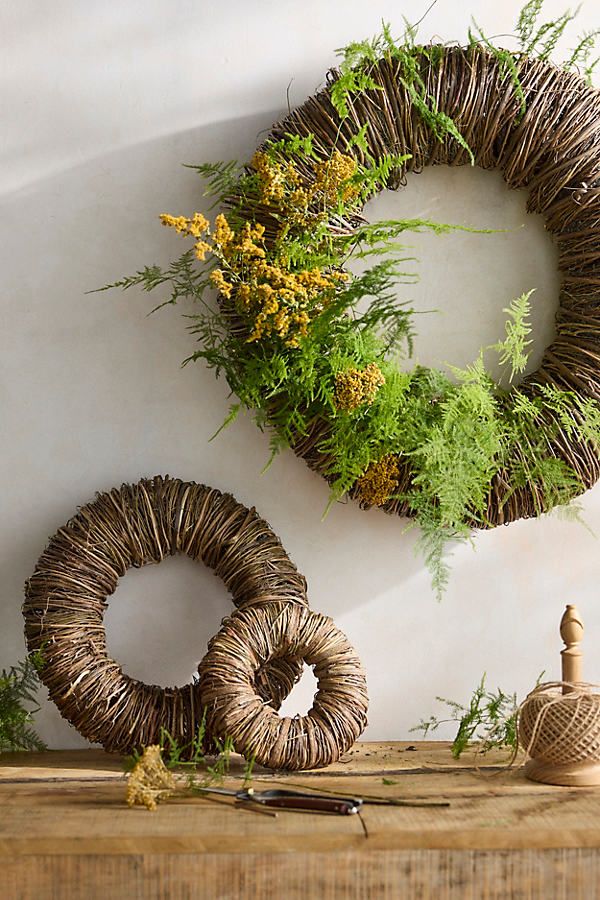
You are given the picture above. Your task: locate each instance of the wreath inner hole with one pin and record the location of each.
(466, 280)
(302, 696)
(174, 607)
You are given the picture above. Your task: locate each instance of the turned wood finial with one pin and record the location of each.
(571, 631)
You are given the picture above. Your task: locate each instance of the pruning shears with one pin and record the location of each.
(314, 802)
(281, 799)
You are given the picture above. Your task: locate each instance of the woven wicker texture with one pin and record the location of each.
(561, 728)
(553, 150)
(136, 525)
(248, 640)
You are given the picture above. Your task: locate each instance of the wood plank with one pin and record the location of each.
(74, 803)
(66, 833)
(376, 875)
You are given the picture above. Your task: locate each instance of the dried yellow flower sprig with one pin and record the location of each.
(379, 481)
(333, 178)
(194, 227)
(282, 182)
(277, 300)
(150, 780)
(355, 387)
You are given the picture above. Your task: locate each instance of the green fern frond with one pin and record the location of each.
(580, 56)
(513, 349)
(18, 704)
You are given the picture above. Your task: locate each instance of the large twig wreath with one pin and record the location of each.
(554, 151)
(141, 524)
(290, 338)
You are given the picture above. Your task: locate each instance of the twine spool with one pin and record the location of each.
(560, 732)
(553, 150)
(134, 526)
(247, 641)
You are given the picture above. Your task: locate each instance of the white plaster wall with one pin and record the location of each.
(101, 103)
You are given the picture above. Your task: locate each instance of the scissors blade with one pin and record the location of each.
(226, 791)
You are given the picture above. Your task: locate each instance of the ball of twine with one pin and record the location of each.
(248, 640)
(132, 526)
(561, 728)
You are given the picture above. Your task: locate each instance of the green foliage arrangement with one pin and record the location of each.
(313, 350)
(488, 722)
(18, 704)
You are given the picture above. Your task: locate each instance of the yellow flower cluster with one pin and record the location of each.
(282, 299)
(357, 386)
(333, 178)
(194, 227)
(279, 301)
(378, 481)
(150, 780)
(274, 178)
(279, 182)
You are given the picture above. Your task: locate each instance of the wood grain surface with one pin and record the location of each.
(65, 832)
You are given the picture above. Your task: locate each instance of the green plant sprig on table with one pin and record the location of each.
(18, 704)
(309, 348)
(488, 722)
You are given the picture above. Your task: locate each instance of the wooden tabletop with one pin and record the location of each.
(64, 811)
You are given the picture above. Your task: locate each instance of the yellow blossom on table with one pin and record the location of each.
(353, 387)
(150, 780)
(379, 481)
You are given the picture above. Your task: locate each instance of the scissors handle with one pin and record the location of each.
(280, 799)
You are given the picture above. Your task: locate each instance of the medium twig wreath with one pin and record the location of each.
(252, 638)
(137, 525)
(454, 450)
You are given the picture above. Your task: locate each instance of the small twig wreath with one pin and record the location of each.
(455, 450)
(248, 640)
(136, 525)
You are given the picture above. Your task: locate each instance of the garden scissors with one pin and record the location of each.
(315, 802)
(281, 799)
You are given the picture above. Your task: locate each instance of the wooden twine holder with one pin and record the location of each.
(132, 526)
(559, 722)
(249, 640)
(553, 150)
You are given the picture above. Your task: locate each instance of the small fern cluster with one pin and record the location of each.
(18, 704)
(489, 721)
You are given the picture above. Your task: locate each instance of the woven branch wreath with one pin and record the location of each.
(140, 524)
(251, 639)
(312, 349)
(553, 149)
(133, 526)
